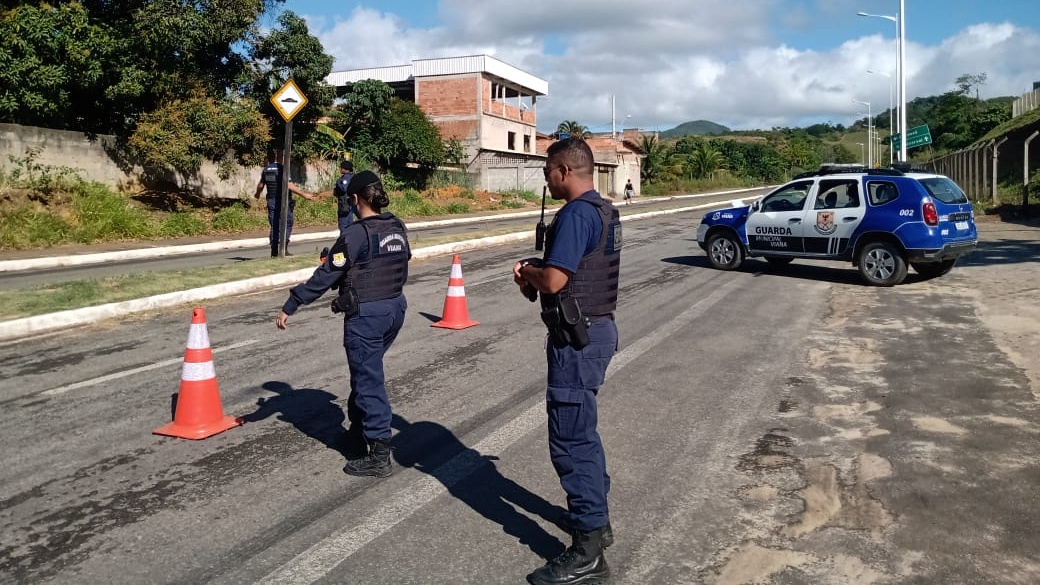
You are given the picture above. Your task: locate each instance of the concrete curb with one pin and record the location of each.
(19, 328)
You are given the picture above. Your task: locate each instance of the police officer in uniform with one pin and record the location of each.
(345, 209)
(271, 179)
(577, 280)
(368, 265)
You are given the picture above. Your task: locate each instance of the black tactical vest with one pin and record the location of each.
(595, 283)
(383, 274)
(340, 191)
(272, 175)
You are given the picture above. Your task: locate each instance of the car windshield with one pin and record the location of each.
(944, 190)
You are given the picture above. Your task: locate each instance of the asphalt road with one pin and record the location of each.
(766, 425)
(421, 233)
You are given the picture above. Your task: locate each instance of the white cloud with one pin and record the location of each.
(668, 62)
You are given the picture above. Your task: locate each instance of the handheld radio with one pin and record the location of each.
(539, 230)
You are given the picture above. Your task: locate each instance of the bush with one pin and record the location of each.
(104, 216)
(23, 227)
(235, 218)
(182, 223)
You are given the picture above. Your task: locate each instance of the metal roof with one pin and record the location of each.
(444, 66)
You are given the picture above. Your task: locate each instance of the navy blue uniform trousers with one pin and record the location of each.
(366, 337)
(274, 209)
(575, 447)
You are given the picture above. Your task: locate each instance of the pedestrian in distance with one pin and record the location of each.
(629, 192)
(368, 265)
(346, 211)
(577, 282)
(271, 180)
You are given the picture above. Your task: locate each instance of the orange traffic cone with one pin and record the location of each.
(199, 414)
(456, 313)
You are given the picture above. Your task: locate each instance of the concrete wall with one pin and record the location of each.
(99, 160)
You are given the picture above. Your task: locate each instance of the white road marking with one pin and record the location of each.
(125, 373)
(320, 559)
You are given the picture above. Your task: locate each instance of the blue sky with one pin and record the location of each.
(742, 63)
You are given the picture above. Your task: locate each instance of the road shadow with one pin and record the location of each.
(313, 412)
(998, 252)
(474, 479)
(430, 317)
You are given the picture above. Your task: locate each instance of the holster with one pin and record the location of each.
(347, 302)
(566, 324)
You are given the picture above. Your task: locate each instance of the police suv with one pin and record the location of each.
(880, 220)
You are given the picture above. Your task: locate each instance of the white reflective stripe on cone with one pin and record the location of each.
(198, 372)
(456, 270)
(456, 291)
(198, 337)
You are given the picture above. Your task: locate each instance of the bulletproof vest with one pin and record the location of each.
(272, 175)
(340, 191)
(595, 283)
(383, 273)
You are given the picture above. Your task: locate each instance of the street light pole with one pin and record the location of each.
(870, 138)
(861, 157)
(900, 73)
(902, 81)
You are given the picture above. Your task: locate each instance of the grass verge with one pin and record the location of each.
(41, 300)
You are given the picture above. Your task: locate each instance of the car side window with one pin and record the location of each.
(836, 194)
(788, 198)
(881, 192)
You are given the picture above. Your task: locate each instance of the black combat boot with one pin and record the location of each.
(376, 463)
(583, 562)
(352, 443)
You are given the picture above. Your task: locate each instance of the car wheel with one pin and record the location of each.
(881, 264)
(725, 252)
(933, 269)
(779, 260)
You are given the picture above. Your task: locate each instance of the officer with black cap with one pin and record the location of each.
(271, 179)
(345, 208)
(577, 280)
(368, 264)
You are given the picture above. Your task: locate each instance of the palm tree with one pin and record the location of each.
(573, 128)
(705, 160)
(653, 159)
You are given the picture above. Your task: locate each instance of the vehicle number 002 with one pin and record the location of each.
(906, 212)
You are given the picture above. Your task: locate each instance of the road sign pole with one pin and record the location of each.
(283, 216)
(288, 100)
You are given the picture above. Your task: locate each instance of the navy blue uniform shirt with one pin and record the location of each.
(576, 233)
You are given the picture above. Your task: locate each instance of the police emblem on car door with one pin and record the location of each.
(776, 225)
(836, 211)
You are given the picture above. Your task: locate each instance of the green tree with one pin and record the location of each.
(184, 133)
(574, 128)
(706, 161)
(407, 136)
(51, 59)
(653, 159)
(290, 51)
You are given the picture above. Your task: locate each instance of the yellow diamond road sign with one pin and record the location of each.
(288, 100)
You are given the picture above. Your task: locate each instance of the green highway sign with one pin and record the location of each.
(916, 136)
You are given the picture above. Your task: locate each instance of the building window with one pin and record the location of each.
(527, 143)
(512, 141)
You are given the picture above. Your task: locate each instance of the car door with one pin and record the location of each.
(775, 225)
(836, 211)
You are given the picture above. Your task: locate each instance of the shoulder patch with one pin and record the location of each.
(339, 259)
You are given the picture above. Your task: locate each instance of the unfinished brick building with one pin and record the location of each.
(491, 107)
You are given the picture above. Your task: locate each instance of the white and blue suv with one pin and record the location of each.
(880, 220)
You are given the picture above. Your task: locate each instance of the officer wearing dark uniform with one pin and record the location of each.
(271, 179)
(577, 280)
(368, 265)
(346, 211)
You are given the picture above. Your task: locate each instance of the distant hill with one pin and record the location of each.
(695, 128)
